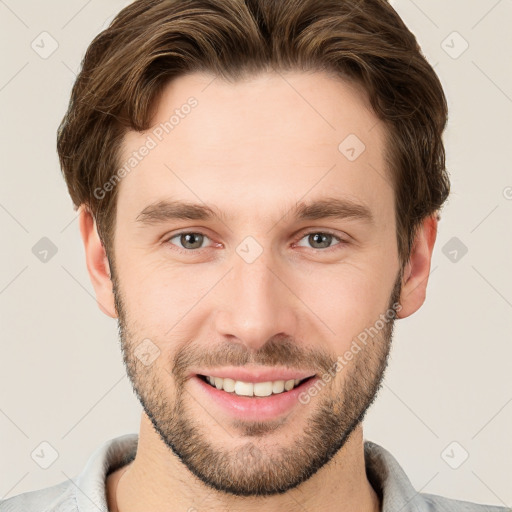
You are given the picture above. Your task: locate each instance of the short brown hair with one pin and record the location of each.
(153, 41)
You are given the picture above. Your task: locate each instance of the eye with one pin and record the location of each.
(189, 240)
(321, 239)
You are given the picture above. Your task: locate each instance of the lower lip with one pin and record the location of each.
(254, 408)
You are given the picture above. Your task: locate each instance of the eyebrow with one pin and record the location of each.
(164, 211)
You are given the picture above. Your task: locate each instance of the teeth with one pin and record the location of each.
(252, 389)
(278, 386)
(289, 384)
(228, 385)
(244, 388)
(262, 388)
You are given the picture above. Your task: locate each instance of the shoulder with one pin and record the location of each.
(57, 498)
(86, 489)
(436, 503)
(398, 494)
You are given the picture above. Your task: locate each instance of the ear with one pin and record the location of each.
(97, 262)
(417, 269)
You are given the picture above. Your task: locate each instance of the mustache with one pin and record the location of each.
(280, 350)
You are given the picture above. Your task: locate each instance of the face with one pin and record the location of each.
(252, 246)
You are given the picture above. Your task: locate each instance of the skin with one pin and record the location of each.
(253, 149)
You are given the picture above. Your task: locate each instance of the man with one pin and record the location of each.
(259, 185)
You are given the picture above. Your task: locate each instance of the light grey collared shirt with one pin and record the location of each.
(87, 493)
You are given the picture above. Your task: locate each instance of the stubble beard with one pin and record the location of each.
(256, 466)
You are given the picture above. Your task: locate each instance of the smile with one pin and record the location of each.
(258, 389)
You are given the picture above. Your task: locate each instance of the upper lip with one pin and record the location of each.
(246, 374)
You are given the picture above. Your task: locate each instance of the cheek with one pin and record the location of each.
(162, 299)
(333, 302)
(345, 300)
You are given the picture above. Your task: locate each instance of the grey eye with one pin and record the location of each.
(319, 239)
(189, 240)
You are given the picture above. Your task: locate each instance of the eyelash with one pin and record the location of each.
(341, 241)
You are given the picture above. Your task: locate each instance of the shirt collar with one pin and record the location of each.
(390, 482)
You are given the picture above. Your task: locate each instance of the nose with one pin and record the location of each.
(256, 303)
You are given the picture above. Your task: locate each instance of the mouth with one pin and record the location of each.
(253, 389)
(254, 392)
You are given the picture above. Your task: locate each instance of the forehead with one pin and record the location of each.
(270, 139)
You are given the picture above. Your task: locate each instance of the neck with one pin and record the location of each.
(157, 480)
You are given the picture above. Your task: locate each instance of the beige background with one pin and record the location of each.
(61, 375)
